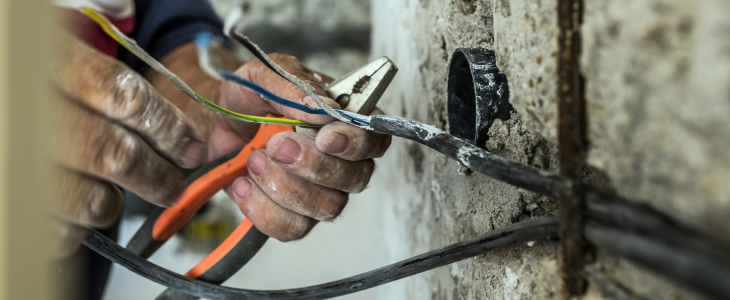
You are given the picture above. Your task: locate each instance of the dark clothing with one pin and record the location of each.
(163, 25)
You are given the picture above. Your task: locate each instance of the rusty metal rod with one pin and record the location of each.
(572, 137)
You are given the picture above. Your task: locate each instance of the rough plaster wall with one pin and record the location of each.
(658, 80)
(657, 90)
(429, 201)
(526, 45)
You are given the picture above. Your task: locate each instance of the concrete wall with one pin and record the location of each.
(658, 93)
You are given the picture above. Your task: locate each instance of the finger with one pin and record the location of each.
(351, 143)
(89, 201)
(120, 94)
(95, 146)
(298, 154)
(293, 192)
(66, 238)
(269, 217)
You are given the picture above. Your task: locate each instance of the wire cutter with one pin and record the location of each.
(358, 92)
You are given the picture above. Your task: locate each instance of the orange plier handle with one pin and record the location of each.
(245, 240)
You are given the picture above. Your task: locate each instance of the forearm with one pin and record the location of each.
(183, 62)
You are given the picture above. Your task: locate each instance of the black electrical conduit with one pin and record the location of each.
(631, 231)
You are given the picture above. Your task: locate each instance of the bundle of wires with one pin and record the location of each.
(204, 41)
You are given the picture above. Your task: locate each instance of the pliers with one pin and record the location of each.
(358, 92)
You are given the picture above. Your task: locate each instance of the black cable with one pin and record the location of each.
(704, 272)
(480, 160)
(635, 232)
(497, 239)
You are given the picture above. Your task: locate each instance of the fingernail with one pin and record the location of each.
(257, 161)
(336, 143)
(288, 151)
(242, 187)
(192, 156)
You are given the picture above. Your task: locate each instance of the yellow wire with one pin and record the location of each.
(109, 29)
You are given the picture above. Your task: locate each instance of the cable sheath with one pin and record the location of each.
(469, 155)
(497, 239)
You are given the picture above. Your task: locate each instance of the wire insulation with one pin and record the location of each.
(132, 46)
(497, 239)
(211, 65)
(256, 51)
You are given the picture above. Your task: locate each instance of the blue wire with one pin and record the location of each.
(203, 40)
(271, 96)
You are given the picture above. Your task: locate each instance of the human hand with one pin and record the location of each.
(296, 181)
(115, 130)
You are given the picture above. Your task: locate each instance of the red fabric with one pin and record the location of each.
(87, 30)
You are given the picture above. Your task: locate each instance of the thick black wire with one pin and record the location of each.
(497, 239)
(480, 160)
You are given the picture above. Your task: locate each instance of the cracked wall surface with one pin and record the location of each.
(657, 75)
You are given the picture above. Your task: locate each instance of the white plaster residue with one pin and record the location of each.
(514, 288)
(457, 271)
(436, 189)
(424, 131)
(272, 185)
(467, 151)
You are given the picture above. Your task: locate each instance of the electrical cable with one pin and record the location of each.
(497, 239)
(634, 232)
(480, 160)
(685, 258)
(205, 40)
(261, 55)
(132, 46)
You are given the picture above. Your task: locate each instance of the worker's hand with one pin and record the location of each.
(115, 130)
(296, 181)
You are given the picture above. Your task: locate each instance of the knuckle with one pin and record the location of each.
(120, 154)
(174, 131)
(103, 205)
(66, 239)
(131, 95)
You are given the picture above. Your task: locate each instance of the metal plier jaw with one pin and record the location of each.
(360, 90)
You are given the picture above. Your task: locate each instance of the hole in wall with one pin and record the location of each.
(478, 94)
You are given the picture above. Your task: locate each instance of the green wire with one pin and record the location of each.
(254, 119)
(131, 45)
